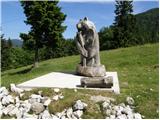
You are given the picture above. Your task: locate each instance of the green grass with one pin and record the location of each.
(137, 69)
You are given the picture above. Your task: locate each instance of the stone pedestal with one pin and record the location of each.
(97, 82)
(98, 71)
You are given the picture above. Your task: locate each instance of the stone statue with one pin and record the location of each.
(87, 41)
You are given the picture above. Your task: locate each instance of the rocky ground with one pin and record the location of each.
(36, 106)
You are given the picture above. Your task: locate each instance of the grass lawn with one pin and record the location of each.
(137, 69)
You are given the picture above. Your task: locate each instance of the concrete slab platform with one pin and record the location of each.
(66, 80)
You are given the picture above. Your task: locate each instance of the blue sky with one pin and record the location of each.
(101, 13)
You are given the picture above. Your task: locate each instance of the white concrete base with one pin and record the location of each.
(65, 80)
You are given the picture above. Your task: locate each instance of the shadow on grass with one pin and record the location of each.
(23, 71)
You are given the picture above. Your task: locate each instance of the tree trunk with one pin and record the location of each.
(36, 57)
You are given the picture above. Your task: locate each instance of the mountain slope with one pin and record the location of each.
(17, 42)
(148, 25)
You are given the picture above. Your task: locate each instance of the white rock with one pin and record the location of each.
(118, 112)
(122, 116)
(15, 89)
(105, 105)
(79, 105)
(108, 112)
(3, 91)
(137, 116)
(112, 116)
(17, 99)
(32, 100)
(21, 95)
(5, 100)
(107, 117)
(56, 90)
(63, 117)
(1, 113)
(35, 96)
(26, 115)
(69, 113)
(130, 100)
(130, 116)
(37, 107)
(127, 110)
(75, 90)
(78, 113)
(8, 109)
(61, 96)
(122, 105)
(58, 115)
(56, 97)
(45, 115)
(43, 99)
(54, 116)
(14, 111)
(113, 112)
(27, 106)
(19, 114)
(10, 98)
(116, 108)
(47, 102)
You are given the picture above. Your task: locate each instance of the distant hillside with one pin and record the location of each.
(17, 42)
(148, 25)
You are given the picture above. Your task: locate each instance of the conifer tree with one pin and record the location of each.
(45, 18)
(124, 24)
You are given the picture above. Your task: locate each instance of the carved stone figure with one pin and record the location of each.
(88, 45)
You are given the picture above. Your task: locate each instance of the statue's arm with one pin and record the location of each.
(80, 44)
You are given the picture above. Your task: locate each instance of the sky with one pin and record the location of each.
(101, 13)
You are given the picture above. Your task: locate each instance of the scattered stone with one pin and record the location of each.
(56, 90)
(1, 113)
(137, 116)
(15, 89)
(108, 112)
(79, 105)
(151, 89)
(112, 116)
(10, 98)
(19, 114)
(44, 115)
(47, 102)
(14, 111)
(105, 105)
(69, 113)
(37, 107)
(121, 116)
(78, 113)
(26, 115)
(54, 116)
(3, 92)
(130, 100)
(21, 95)
(75, 90)
(8, 109)
(61, 96)
(56, 97)
(5, 100)
(17, 99)
(35, 96)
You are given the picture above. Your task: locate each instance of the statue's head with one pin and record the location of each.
(85, 25)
